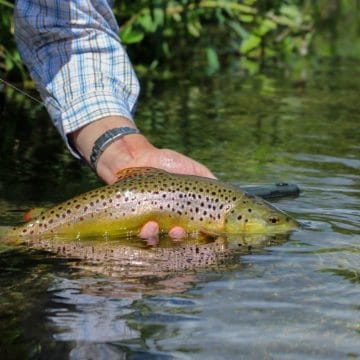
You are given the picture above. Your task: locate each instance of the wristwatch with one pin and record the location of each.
(106, 139)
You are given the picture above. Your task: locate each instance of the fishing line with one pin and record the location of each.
(22, 92)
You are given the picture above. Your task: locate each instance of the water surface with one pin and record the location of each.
(294, 299)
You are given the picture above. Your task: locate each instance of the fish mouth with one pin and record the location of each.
(263, 227)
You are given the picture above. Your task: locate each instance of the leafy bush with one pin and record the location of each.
(205, 33)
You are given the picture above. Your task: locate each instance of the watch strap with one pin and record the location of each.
(106, 139)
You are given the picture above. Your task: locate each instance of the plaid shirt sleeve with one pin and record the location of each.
(73, 53)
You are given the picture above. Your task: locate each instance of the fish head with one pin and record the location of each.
(255, 216)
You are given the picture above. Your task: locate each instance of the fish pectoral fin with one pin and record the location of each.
(136, 171)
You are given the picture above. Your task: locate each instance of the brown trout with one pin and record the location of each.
(142, 194)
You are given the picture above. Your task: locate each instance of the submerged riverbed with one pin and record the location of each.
(295, 298)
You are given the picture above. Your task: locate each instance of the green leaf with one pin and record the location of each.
(266, 26)
(131, 36)
(212, 60)
(7, 3)
(194, 28)
(250, 43)
(238, 29)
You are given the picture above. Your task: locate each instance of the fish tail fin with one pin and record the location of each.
(4, 230)
(9, 236)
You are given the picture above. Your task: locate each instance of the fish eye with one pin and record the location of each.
(273, 219)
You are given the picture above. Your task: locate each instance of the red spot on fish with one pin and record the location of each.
(27, 215)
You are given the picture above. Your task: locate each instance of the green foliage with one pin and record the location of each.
(10, 62)
(164, 35)
(208, 31)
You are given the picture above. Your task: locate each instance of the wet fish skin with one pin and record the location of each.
(144, 194)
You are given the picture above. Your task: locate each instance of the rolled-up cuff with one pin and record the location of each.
(85, 109)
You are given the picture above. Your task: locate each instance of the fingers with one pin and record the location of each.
(151, 230)
(175, 162)
(177, 233)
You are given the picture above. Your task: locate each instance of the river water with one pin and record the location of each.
(292, 298)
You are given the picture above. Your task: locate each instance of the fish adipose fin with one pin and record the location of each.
(33, 213)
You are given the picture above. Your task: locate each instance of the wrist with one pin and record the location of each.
(118, 154)
(84, 138)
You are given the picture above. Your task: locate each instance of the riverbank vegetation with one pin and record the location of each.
(161, 36)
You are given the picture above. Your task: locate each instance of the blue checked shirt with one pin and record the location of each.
(73, 53)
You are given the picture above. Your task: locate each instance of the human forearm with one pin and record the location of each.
(74, 54)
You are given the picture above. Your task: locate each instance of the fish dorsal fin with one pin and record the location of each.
(137, 171)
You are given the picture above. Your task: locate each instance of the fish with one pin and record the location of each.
(198, 204)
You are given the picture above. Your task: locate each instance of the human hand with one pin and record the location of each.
(134, 151)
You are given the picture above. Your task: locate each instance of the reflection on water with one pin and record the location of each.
(296, 297)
